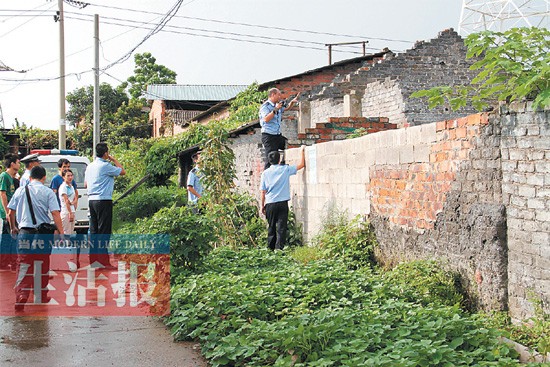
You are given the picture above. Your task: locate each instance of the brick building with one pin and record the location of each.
(173, 106)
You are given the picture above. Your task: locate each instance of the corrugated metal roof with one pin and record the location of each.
(178, 92)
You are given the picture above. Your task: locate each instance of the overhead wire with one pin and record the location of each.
(103, 18)
(253, 25)
(22, 24)
(229, 38)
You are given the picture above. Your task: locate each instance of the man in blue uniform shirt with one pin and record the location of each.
(100, 181)
(30, 161)
(271, 115)
(275, 194)
(44, 202)
(194, 186)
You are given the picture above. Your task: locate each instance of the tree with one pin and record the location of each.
(127, 123)
(81, 103)
(4, 146)
(147, 72)
(33, 137)
(513, 65)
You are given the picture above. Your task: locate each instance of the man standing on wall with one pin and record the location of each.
(7, 188)
(271, 114)
(100, 181)
(275, 193)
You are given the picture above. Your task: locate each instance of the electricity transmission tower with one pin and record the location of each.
(501, 15)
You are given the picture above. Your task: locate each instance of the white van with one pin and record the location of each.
(49, 159)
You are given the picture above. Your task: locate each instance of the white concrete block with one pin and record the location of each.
(428, 133)
(392, 155)
(406, 154)
(421, 153)
(414, 134)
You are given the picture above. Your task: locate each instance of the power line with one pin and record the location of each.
(224, 38)
(165, 19)
(253, 25)
(22, 24)
(201, 30)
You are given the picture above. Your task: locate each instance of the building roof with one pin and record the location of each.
(356, 60)
(266, 85)
(187, 92)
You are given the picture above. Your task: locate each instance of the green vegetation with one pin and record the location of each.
(513, 66)
(259, 308)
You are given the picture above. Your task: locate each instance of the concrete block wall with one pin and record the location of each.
(526, 193)
(249, 163)
(419, 187)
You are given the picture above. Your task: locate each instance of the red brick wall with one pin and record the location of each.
(411, 195)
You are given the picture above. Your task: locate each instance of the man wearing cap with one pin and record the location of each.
(275, 194)
(271, 115)
(7, 188)
(30, 161)
(194, 186)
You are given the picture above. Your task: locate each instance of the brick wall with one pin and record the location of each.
(322, 109)
(526, 194)
(472, 192)
(384, 98)
(386, 85)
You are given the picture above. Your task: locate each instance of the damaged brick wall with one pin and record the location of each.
(449, 208)
(473, 192)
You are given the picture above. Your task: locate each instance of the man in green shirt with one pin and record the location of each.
(7, 188)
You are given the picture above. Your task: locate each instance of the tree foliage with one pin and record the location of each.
(513, 65)
(33, 137)
(81, 103)
(147, 72)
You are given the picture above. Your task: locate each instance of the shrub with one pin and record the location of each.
(191, 235)
(145, 202)
(353, 241)
(426, 282)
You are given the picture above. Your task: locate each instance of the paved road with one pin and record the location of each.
(88, 341)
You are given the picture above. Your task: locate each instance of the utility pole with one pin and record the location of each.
(62, 123)
(96, 135)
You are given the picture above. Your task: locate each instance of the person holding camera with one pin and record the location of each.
(271, 114)
(32, 205)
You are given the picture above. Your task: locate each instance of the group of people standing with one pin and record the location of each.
(26, 209)
(275, 180)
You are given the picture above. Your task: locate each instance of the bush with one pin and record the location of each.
(426, 282)
(191, 235)
(145, 202)
(354, 241)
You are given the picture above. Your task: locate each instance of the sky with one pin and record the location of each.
(204, 43)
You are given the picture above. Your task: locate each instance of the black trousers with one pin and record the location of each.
(272, 143)
(277, 218)
(101, 223)
(28, 263)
